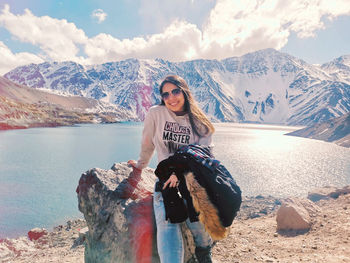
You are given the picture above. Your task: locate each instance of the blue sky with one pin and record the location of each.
(98, 31)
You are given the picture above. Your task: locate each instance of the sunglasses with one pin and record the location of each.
(176, 92)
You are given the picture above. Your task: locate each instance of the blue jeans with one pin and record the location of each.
(169, 236)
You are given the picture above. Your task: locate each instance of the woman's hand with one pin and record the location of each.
(135, 177)
(133, 163)
(136, 171)
(172, 181)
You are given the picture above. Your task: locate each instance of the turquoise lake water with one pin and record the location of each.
(40, 168)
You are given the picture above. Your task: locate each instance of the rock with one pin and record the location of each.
(80, 239)
(258, 206)
(118, 210)
(320, 193)
(294, 214)
(83, 232)
(327, 192)
(37, 233)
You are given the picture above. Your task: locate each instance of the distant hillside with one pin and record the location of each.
(23, 107)
(336, 130)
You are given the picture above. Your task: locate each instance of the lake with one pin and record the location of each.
(40, 168)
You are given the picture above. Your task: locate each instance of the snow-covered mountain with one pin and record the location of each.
(266, 86)
(339, 68)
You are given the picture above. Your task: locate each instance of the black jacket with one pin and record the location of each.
(175, 210)
(211, 187)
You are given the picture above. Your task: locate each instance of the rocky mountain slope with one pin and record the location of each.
(23, 107)
(266, 86)
(336, 130)
(339, 68)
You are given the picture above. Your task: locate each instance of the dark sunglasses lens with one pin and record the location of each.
(165, 95)
(176, 92)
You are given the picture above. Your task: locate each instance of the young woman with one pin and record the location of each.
(177, 121)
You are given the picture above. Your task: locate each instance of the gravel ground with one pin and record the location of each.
(253, 238)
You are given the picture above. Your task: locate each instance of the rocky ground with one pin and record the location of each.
(64, 244)
(256, 239)
(253, 238)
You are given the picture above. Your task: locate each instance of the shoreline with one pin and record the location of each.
(345, 143)
(5, 127)
(49, 227)
(8, 127)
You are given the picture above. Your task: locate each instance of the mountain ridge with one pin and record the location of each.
(265, 86)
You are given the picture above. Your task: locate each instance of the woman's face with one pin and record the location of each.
(173, 102)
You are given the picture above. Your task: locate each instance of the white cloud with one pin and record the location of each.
(174, 43)
(237, 27)
(100, 15)
(58, 39)
(9, 60)
(234, 27)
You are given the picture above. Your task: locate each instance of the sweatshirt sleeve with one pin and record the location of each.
(206, 141)
(147, 146)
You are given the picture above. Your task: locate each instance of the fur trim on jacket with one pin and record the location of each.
(208, 213)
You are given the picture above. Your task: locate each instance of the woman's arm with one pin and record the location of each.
(147, 146)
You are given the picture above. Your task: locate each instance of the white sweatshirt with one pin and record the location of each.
(165, 132)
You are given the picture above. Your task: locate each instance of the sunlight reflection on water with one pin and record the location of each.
(265, 161)
(40, 168)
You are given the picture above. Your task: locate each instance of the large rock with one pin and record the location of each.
(295, 214)
(118, 208)
(327, 192)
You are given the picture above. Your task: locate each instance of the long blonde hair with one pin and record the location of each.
(201, 125)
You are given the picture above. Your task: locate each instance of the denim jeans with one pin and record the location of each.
(169, 236)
